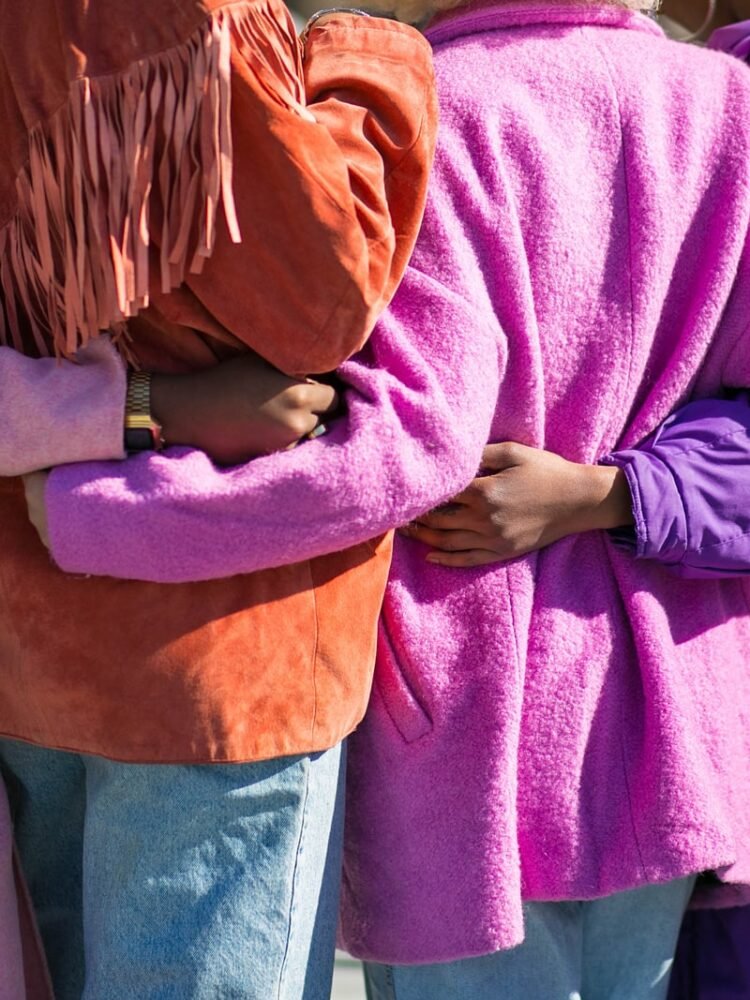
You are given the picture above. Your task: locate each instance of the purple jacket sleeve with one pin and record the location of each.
(400, 449)
(690, 484)
(56, 411)
(733, 38)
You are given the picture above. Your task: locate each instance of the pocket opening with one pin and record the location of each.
(401, 703)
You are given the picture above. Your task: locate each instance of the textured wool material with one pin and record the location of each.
(583, 717)
(576, 722)
(76, 408)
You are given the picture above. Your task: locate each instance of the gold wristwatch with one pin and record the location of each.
(142, 432)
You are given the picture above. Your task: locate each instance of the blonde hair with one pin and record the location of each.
(418, 11)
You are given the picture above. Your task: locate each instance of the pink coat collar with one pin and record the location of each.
(487, 15)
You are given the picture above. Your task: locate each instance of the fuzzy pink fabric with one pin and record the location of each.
(76, 408)
(574, 723)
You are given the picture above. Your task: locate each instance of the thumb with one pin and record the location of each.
(504, 455)
(323, 398)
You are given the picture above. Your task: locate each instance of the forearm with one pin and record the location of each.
(55, 412)
(419, 411)
(597, 498)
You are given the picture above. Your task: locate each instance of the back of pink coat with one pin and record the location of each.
(574, 723)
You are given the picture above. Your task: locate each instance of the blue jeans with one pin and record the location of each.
(617, 948)
(168, 882)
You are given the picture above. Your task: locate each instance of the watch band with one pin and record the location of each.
(142, 432)
(324, 13)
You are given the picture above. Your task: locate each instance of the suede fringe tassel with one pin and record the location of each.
(75, 259)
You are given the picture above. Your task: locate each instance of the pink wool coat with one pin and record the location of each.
(574, 723)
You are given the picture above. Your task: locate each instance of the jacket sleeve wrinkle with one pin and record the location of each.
(690, 483)
(329, 209)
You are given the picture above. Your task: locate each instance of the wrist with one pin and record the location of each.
(608, 503)
(142, 431)
(320, 16)
(170, 405)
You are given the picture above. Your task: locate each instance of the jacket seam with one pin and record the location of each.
(703, 447)
(628, 790)
(717, 545)
(591, 35)
(683, 535)
(375, 243)
(316, 645)
(407, 153)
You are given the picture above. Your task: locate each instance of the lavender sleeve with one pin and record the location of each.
(690, 486)
(419, 407)
(733, 39)
(56, 411)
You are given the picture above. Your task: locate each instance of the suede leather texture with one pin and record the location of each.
(329, 205)
(251, 667)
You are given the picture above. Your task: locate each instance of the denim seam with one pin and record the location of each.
(295, 877)
(391, 981)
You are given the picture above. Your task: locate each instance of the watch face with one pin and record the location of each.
(138, 439)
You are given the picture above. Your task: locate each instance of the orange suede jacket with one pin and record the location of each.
(330, 149)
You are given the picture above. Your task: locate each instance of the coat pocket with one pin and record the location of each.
(399, 699)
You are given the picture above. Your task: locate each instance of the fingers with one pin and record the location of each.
(467, 509)
(446, 541)
(457, 518)
(466, 559)
(504, 455)
(453, 548)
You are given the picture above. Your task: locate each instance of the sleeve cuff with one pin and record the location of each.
(660, 530)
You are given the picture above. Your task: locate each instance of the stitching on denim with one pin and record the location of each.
(295, 879)
(391, 981)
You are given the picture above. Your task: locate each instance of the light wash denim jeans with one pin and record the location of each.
(206, 882)
(617, 948)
